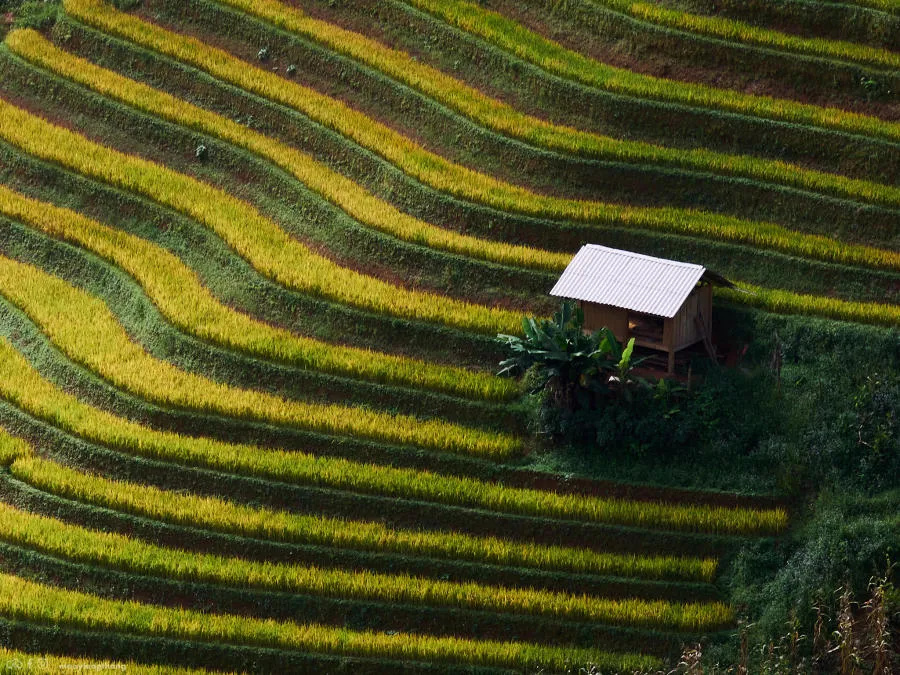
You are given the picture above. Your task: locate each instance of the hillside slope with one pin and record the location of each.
(253, 257)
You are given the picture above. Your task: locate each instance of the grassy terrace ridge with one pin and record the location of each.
(434, 124)
(503, 118)
(403, 618)
(834, 21)
(148, 328)
(569, 101)
(781, 301)
(739, 31)
(334, 187)
(551, 56)
(770, 299)
(890, 6)
(177, 292)
(256, 238)
(773, 300)
(259, 240)
(83, 328)
(455, 179)
(232, 518)
(203, 539)
(22, 386)
(400, 617)
(142, 321)
(231, 278)
(29, 601)
(14, 661)
(296, 209)
(57, 539)
(786, 302)
(471, 384)
(333, 498)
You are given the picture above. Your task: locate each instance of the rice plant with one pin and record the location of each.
(553, 57)
(787, 302)
(270, 250)
(29, 601)
(455, 179)
(58, 539)
(729, 29)
(499, 116)
(84, 328)
(224, 516)
(177, 291)
(352, 198)
(24, 387)
(32, 46)
(12, 661)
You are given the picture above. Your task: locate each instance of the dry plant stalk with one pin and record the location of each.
(878, 627)
(846, 639)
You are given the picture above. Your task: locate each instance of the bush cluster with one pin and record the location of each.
(846, 544)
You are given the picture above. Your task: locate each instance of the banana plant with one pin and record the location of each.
(576, 365)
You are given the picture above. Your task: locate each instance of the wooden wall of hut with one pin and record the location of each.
(686, 329)
(597, 316)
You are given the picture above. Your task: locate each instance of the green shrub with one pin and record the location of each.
(573, 366)
(38, 14)
(728, 414)
(828, 418)
(876, 413)
(843, 427)
(848, 540)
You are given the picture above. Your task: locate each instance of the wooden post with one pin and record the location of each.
(669, 343)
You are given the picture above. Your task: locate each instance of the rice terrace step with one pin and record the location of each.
(284, 387)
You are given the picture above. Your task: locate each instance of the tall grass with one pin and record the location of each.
(24, 387)
(553, 57)
(501, 117)
(83, 328)
(738, 31)
(177, 291)
(12, 448)
(336, 188)
(12, 661)
(787, 302)
(29, 601)
(224, 516)
(890, 6)
(434, 170)
(258, 239)
(58, 539)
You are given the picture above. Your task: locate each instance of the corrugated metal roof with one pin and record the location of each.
(633, 281)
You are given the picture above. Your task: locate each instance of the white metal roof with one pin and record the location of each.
(633, 281)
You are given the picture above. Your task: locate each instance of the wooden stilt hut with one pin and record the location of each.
(664, 305)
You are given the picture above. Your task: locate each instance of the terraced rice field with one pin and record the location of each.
(252, 259)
